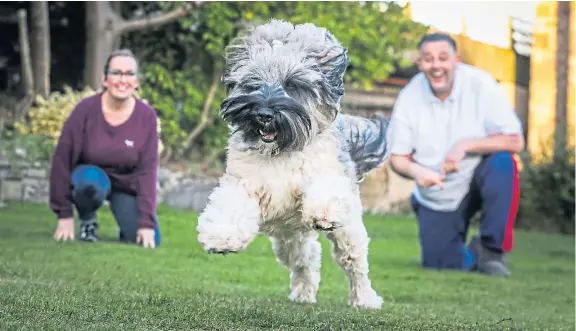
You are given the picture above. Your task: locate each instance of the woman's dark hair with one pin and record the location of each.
(116, 53)
(120, 52)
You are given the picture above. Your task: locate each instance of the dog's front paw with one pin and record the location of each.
(222, 243)
(325, 217)
(223, 237)
(368, 299)
(218, 251)
(229, 222)
(328, 202)
(322, 222)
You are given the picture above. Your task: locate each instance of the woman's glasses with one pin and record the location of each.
(117, 74)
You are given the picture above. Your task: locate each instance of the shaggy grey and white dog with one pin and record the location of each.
(294, 163)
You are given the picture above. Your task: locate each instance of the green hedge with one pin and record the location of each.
(547, 192)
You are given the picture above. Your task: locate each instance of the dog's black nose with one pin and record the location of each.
(265, 115)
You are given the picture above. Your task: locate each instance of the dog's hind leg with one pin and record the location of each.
(301, 254)
(350, 252)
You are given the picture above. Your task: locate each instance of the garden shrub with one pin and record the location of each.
(46, 116)
(547, 192)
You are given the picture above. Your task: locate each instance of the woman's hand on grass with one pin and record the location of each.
(65, 229)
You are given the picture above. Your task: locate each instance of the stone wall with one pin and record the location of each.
(383, 192)
(23, 183)
(184, 191)
(29, 183)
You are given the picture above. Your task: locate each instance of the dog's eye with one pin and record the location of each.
(230, 87)
(251, 88)
(289, 86)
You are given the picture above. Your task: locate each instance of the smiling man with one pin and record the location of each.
(454, 132)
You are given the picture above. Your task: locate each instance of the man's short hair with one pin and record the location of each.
(438, 36)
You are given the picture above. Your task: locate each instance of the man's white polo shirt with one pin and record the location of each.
(428, 128)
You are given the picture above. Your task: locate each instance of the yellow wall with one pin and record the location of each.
(543, 77)
(483, 56)
(572, 76)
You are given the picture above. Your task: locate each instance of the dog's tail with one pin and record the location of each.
(367, 141)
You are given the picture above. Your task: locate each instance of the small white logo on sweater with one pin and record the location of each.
(129, 143)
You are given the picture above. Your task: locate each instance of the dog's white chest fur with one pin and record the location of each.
(278, 182)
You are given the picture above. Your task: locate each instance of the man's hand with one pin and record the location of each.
(65, 229)
(455, 155)
(145, 237)
(426, 178)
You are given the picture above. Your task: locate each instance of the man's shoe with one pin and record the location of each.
(494, 268)
(493, 264)
(89, 232)
(489, 262)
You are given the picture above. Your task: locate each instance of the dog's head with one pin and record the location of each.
(284, 85)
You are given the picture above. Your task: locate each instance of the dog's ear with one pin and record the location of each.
(333, 64)
(233, 58)
(229, 84)
(236, 54)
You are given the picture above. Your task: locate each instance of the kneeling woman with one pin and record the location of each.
(108, 150)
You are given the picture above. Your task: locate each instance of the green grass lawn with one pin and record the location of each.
(45, 285)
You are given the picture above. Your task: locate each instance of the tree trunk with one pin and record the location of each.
(100, 38)
(40, 47)
(26, 66)
(562, 62)
(104, 27)
(115, 5)
(25, 61)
